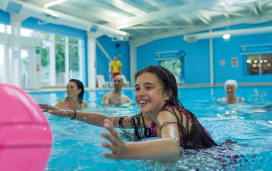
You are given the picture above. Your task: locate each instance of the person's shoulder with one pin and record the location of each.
(166, 113)
(126, 97)
(61, 103)
(107, 94)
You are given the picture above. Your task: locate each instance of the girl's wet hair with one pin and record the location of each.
(166, 79)
(79, 86)
(197, 134)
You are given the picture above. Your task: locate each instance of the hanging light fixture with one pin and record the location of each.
(226, 36)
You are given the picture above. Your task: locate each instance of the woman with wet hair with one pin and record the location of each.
(74, 99)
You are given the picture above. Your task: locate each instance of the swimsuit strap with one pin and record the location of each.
(153, 128)
(67, 104)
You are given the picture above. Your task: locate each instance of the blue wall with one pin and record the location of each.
(196, 62)
(110, 46)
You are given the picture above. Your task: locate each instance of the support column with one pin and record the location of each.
(133, 61)
(67, 66)
(37, 66)
(52, 61)
(211, 62)
(91, 49)
(16, 50)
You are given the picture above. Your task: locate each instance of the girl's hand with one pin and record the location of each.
(117, 146)
(56, 111)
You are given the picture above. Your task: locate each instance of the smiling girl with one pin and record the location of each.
(162, 115)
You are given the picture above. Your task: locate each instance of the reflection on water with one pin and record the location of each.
(77, 145)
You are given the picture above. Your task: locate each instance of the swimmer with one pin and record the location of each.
(230, 87)
(116, 97)
(162, 115)
(74, 99)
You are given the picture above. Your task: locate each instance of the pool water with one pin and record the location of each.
(77, 145)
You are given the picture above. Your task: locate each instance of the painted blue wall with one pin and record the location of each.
(196, 62)
(225, 50)
(111, 48)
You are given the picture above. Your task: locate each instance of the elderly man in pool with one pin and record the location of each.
(116, 97)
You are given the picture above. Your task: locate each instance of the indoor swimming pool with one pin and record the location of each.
(76, 145)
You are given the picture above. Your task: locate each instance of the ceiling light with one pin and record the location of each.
(53, 3)
(226, 36)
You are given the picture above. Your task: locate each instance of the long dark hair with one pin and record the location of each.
(197, 136)
(79, 86)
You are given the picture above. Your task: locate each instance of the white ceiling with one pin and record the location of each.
(147, 20)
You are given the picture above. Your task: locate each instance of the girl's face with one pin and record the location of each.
(72, 89)
(230, 90)
(149, 94)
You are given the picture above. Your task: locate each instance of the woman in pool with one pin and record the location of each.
(162, 115)
(74, 99)
(230, 87)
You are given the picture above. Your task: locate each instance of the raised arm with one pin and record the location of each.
(162, 149)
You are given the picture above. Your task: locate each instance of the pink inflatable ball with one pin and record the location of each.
(25, 135)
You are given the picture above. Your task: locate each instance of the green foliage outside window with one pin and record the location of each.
(175, 66)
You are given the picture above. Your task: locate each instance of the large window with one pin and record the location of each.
(60, 59)
(259, 64)
(45, 59)
(73, 58)
(51, 58)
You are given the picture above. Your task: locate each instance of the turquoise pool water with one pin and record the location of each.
(77, 145)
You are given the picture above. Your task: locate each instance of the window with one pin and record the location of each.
(45, 59)
(60, 59)
(173, 65)
(259, 64)
(73, 58)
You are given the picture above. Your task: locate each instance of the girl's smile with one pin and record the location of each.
(149, 94)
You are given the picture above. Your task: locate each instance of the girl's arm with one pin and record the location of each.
(164, 148)
(96, 119)
(92, 118)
